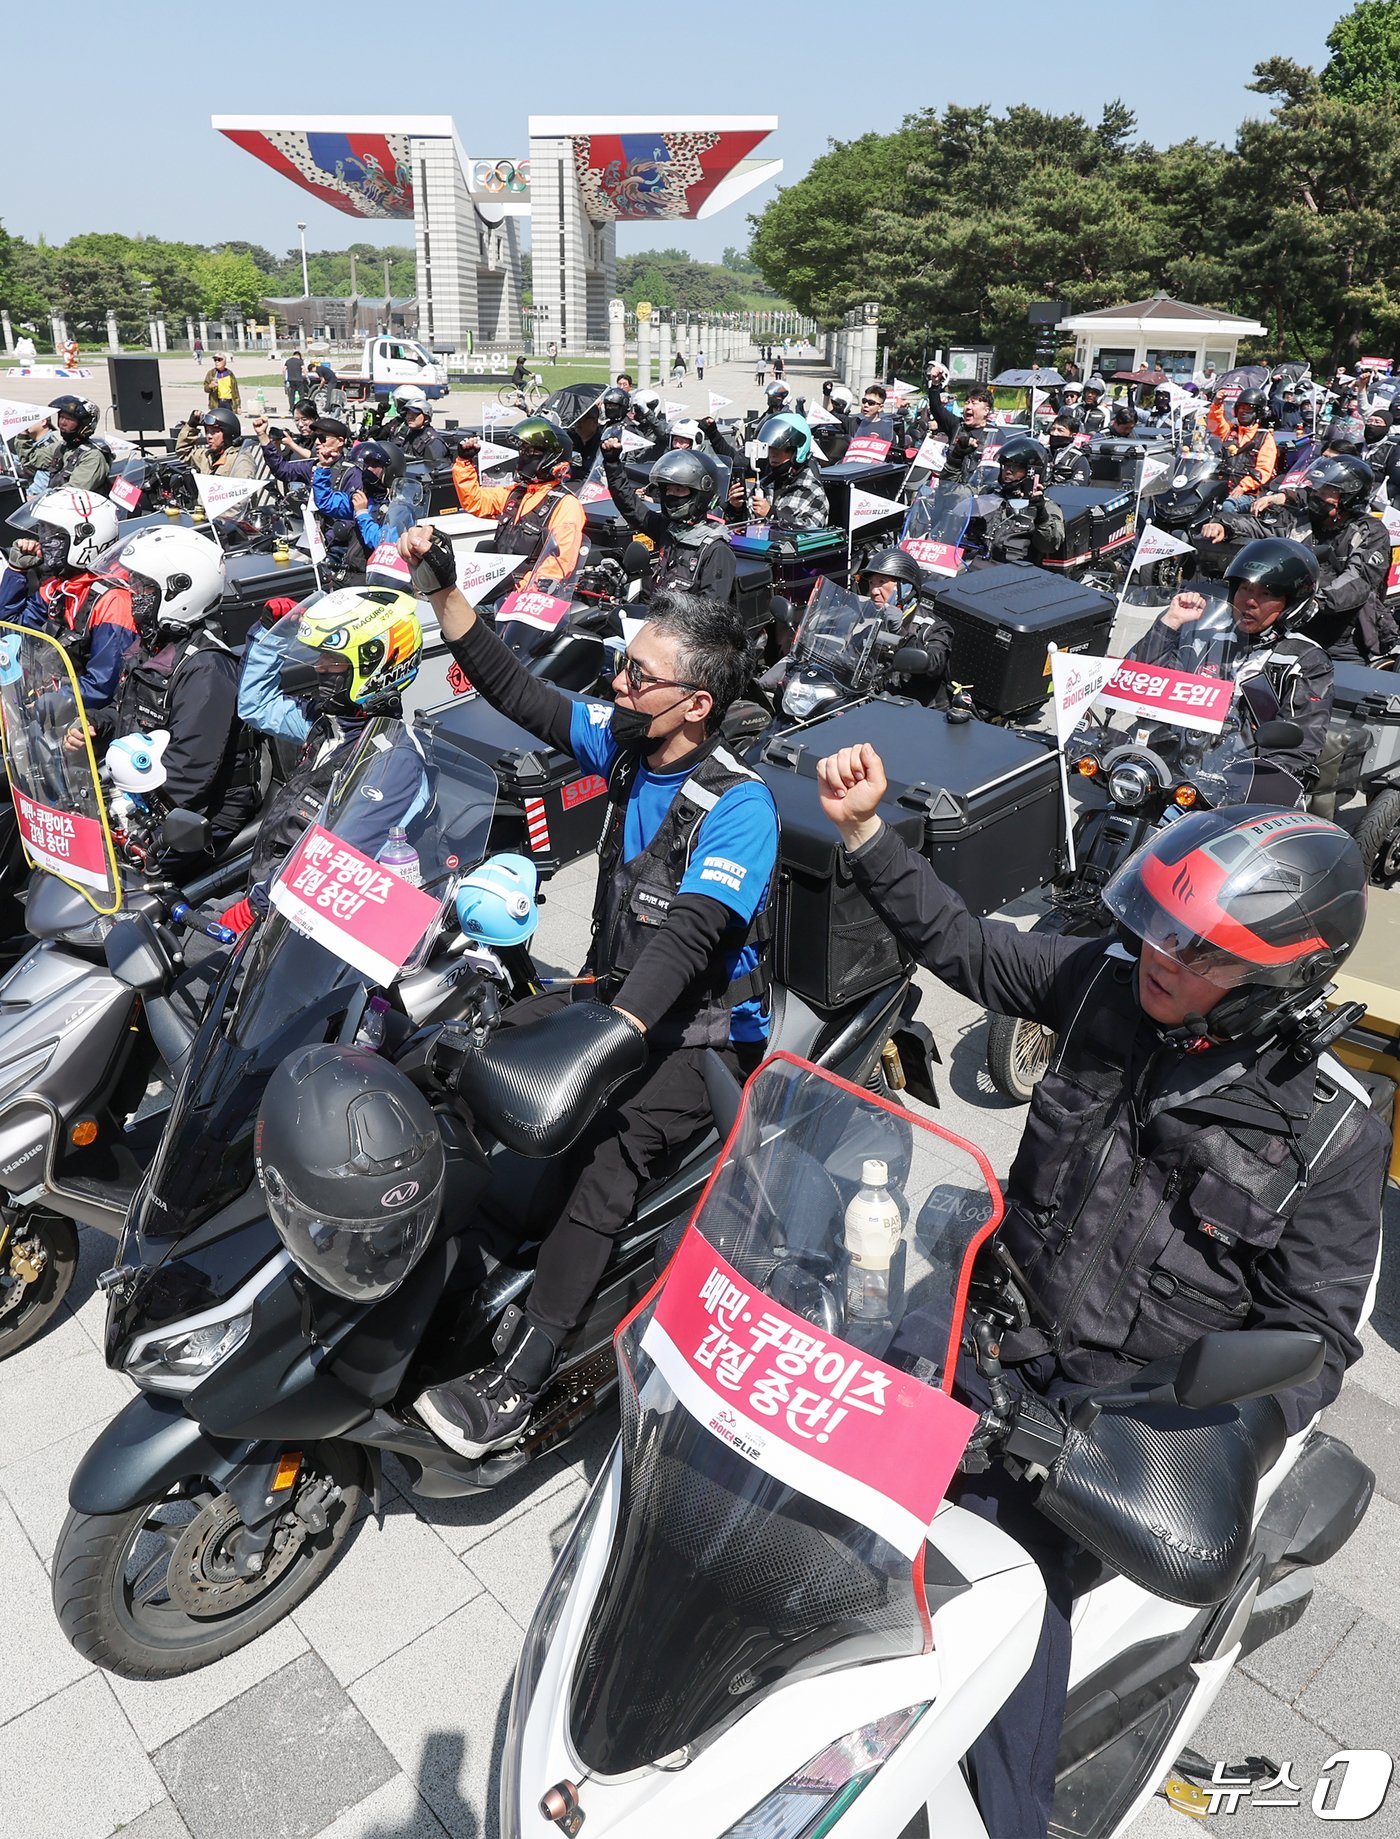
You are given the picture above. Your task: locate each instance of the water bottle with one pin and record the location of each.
(262, 401)
(873, 1231)
(399, 855)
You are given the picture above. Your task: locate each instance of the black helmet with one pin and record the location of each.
(1024, 452)
(1279, 567)
(1265, 903)
(683, 469)
(387, 459)
(351, 1164)
(546, 451)
(82, 411)
(615, 403)
(1250, 399)
(226, 421)
(1350, 478)
(897, 565)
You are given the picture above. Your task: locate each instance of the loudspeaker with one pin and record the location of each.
(135, 386)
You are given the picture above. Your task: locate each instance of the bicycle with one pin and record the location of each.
(528, 396)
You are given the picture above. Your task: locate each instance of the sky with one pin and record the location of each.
(136, 153)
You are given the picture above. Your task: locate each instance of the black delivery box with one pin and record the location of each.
(1005, 617)
(252, 579)
(1372, 697)
(1099, 519)
(985, 799)
(549, 808)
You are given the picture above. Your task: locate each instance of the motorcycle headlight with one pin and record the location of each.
(177, 1362)
(810, 1802)
(1129, 784)
(801, 697)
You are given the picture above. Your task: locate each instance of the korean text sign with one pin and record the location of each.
(63, 842)
(1159, 694)
(365, 914)
(841, 1427)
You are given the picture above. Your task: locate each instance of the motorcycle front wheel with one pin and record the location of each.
(1018, 1052)
(38, 1255)
(153, 1592)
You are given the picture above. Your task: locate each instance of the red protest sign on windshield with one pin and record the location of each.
(63, 842)
(364, 913)
(808, 1408)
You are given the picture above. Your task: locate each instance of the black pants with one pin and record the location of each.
(655, 1114)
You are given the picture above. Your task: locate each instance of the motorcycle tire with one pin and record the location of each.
(1378, 837)
(29, 1314)
(1018, 1052)
(112, 1591)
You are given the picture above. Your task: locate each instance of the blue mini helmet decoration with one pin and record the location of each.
(496, 902)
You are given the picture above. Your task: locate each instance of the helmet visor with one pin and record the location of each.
(359, 1259)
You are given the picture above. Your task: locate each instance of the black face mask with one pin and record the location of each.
(1058, 442)
(630, 728)
(1376, 431)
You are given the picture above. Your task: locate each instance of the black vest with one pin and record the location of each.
(1239, 464)
(515, 535)
(633, 899)
(1147, 1184)
(144, 702)
(677, 562)
(294, 805)
(59, 601)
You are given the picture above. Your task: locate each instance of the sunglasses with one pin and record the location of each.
(639, 679)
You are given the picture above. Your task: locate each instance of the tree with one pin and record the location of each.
(227, 281)
(739, 262)
(1365, 47)
(22, 289)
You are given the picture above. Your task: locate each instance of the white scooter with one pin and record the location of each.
(761, 1629)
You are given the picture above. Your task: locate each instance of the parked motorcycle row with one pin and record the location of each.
(788, 1630)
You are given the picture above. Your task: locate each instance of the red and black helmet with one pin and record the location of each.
(1262, 902)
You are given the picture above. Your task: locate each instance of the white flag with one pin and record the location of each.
(676, 411)
(15, 417)
(1077, 680)
(632, 442)
(1154, 544)
(1153, 468)
(903, 389)
(931, 454)
(821, 418)
(219, 496)
(311, 535)
(478, 572)
(498, 411)
(491, 453)
(866, 508)
(718, 402)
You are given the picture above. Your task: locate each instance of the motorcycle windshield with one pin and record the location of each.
(538, 602)
(385, 567)
(837, 637)
(132, 474)
(769, 1527)
(61, 815)
(935, 527)
(593, 488)
(289, 990)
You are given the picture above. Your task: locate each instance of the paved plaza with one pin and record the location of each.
(377, 1711)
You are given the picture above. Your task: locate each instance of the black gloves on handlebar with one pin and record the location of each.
(436, 571)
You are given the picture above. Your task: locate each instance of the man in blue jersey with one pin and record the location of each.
(686, 869)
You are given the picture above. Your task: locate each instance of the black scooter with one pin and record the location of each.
(218, 1498)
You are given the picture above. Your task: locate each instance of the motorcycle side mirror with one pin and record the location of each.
(1225, 1368)
(136, 957)
(634, 560)
(911, 661)
(1279, 737)
(185, 832)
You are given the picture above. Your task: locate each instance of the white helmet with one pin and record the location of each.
(687, 430)
(649, 399)
(176, 576)
(842, 394)
(410, 396)
(86, 521)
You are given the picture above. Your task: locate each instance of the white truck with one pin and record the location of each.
(387, 362)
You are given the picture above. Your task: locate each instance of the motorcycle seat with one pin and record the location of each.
(537, 1086)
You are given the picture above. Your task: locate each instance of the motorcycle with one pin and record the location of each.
(220, 1495)
(1138, 774)
(772, 1617)
(86, 1070)
(846, 651)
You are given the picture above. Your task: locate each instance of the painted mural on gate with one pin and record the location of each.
(364, 175)
(632, 177)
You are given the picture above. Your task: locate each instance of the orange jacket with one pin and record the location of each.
(1265, 463)
(566, 520)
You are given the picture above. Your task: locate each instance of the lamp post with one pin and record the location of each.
(305, 278)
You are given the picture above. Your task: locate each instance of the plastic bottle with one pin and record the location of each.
(873, 1230)
(262, 402)
(399, 855)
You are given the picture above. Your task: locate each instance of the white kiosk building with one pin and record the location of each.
(1160, 333)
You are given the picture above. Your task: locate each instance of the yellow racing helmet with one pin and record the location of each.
(356, 649)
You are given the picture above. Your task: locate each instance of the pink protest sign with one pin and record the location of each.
(869, 447)
(124, 492)
(62, 842)
(838, 1425)
(365, 914)
(534, 608)
(386, 560)
(591, 491)
(934, 557)
(1166, 695)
